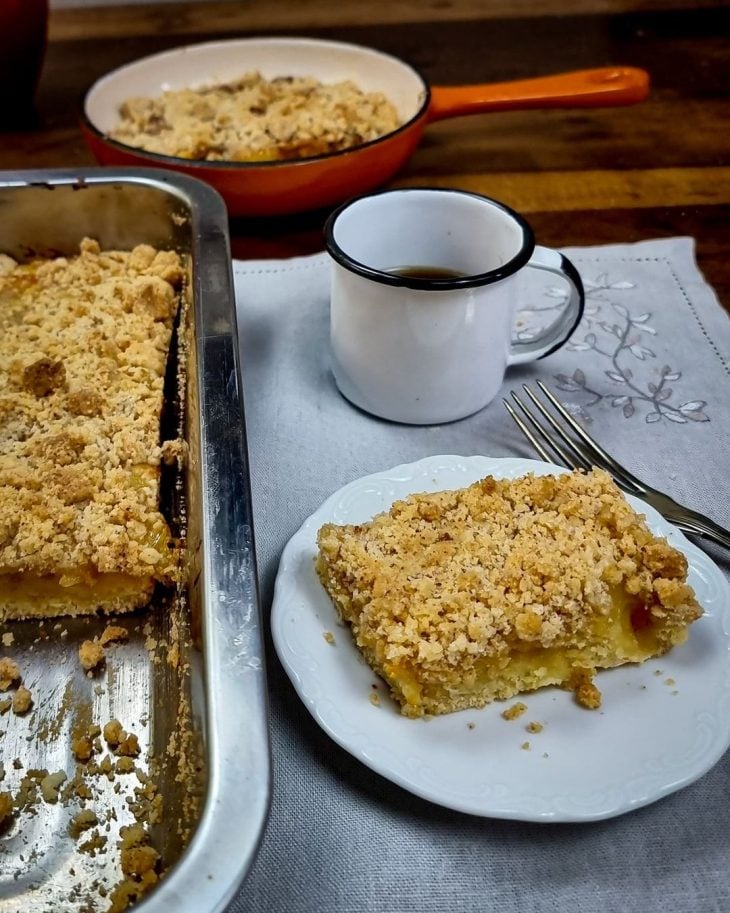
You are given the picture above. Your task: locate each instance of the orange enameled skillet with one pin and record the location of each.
(274, 188)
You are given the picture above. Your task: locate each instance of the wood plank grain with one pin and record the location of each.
(558, 191)
(210, 18)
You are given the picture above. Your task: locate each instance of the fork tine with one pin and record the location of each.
(528, 434)
(593, 447)
(583, 459)
(563, 457)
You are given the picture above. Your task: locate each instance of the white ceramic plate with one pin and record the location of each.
(662, 724)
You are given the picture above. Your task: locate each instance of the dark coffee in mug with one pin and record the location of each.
(426, 272)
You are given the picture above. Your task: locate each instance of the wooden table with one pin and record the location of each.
(657, 169)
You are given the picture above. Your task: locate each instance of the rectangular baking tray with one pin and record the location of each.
(190, 680)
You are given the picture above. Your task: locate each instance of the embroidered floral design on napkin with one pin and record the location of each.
(620, 344)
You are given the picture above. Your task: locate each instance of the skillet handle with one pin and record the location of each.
(597, 88)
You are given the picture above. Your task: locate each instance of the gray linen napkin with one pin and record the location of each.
(649, 370)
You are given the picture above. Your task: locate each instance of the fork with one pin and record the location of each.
(576, 449)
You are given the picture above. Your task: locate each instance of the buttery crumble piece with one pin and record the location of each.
(139, 863)
(113, 732)
(9, 673)
(91, 655)
(515, 711)
(22, 701)
(534, 727)
(50, 784)
(254, 119)
(81, 822)
(113, 634)
(462, 597)
(84, 342)
(329, 637)
(6, 807)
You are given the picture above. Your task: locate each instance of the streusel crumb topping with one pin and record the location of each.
(256, 119)
(83, 349)
(443, 580)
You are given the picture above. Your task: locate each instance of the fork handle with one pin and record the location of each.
(697, 525)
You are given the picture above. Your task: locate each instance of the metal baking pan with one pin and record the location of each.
(190, 680)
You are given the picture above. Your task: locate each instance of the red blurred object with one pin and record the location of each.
(23, 32)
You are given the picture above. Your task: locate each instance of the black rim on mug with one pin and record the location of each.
(431, 284)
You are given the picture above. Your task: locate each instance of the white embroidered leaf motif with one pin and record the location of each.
(613, 329)
(577, 347)
(628, 409)
(619, 308)
(566, 383)
(653, 417)
(645, 329)
(697, 416)
(694, 406)
(614, 375)
(663, 395)
(676, 417)
(671, 375)
(642, 318)
(640, 352)
(620, 400)
(622, 285)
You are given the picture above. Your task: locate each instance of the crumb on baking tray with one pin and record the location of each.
(6, 807)
(81, 822)
(139, 863)
(91, 655)
(22, 701)
(9, 673)
(113, 634)
(50, 785)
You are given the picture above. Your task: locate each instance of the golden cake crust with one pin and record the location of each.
(444, 582)
(83, 349)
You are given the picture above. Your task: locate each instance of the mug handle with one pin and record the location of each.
(545, 258)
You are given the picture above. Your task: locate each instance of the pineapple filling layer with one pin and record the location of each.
(624, 635)
(83, 590)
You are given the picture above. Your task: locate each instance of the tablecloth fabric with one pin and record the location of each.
(648, 371)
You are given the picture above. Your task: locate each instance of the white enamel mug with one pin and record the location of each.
(424, 297)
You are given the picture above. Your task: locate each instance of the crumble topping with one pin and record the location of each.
(9, 673)
(22, 701)
(113, 634)
(83, 349)
(515, 711)
(445, 586)
(256, 119)
(91, 655)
